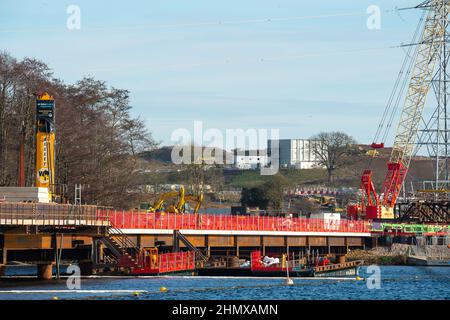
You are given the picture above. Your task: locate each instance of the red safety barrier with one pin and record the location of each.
(256, 260)
(165, 262)
(144, 220)
(176, 261)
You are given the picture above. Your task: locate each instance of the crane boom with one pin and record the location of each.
(427, 53)
(421, 75)
(429, 47)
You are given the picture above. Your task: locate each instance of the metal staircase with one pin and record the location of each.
(199, 256)
(122, 249)
(126, 254)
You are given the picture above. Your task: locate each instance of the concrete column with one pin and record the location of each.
(285, 243)
(96, 244)
(328, 244)
(175, 241)
(56, 256)
(4, 256)
(101, 254)
(263, 246)
(208, 247)
(138, 241)
(44, 271)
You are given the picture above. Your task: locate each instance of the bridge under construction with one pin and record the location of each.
(98, 238)
(47, 232)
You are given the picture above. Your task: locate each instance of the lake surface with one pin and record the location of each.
(397, 282)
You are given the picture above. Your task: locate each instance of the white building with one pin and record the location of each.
(294, 153)
(250, 159)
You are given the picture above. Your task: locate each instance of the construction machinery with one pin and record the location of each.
(327, 203)
(45, 142)
(175, 202)
(163, 202)
(430, 51)
(188, 199)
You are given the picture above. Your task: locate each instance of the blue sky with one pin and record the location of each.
(300, 66)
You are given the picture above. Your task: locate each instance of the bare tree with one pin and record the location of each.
(331, 149)
(97, 140)
(199, 173)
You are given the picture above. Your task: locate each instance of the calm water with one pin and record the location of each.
(396, 283)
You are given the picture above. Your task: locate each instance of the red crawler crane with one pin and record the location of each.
(381, 206)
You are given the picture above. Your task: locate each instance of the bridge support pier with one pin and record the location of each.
(44, 270)
(57, 254)
(175, 241)
(207, 246)
(95, 255)
(3, 262)
(4, 256)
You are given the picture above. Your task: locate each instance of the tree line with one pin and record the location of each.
(98, 140)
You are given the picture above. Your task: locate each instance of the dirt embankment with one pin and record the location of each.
(395, 255)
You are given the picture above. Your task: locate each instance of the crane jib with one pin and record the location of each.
(421, 75)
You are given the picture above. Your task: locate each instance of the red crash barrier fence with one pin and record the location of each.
(144, 220)
(165, 262)
(176, 261)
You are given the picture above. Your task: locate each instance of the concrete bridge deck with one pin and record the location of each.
(31, 231)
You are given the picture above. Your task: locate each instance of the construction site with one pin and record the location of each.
(178, 232)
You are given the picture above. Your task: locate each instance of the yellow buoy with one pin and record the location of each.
(136, 294)
(55, 298)
(163, 289)
(359, 278)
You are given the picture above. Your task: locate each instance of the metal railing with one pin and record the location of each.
(174, 221)
(46, 214)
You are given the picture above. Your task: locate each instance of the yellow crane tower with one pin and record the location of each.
(45, 142)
